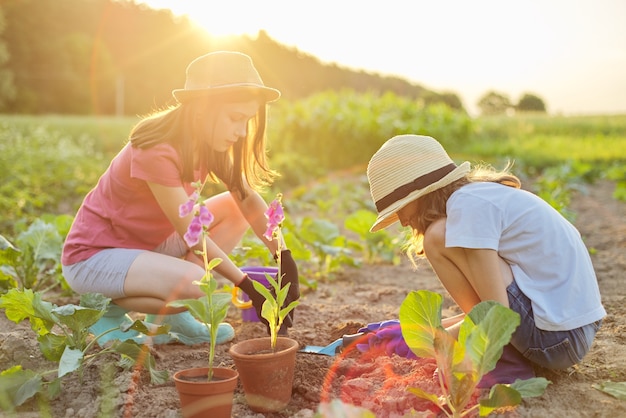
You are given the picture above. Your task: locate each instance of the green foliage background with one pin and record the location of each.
(49, 163)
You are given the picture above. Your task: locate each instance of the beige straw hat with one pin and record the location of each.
(220, 72)
(405, 168)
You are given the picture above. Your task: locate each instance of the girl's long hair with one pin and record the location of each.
(181, 125)
(432, 206)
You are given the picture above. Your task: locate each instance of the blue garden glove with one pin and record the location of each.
(387, 336)
(289, 270)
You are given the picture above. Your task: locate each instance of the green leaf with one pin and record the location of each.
(95, 301)
(485, 342)
(531, 388)
(146, 328)
(284, 311)
(214, 262)
(420, 393)
(615, 389)
(457, 371)
(268, 311)
(9, 254)
(132, 352)
(500, 396)
(360, 222)
(54, 388)
(443, 344)
(44, 240)
(461, 389)
(5, 245)
(17, 304)
(480, 311)
(23, 304)
(76, 318)
(158, 377)
(420, 317)
(262, 290)
(17, 386)
(197, 308)
(71, 360)
(52, 346)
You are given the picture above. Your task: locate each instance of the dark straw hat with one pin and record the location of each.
(405, 168)
(222, 72)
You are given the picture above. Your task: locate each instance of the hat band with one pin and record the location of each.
(419, 183)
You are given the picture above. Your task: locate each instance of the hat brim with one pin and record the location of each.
(389, 215)
(269, 94)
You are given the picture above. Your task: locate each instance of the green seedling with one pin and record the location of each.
(210, 309)
(63, 335)
(32, 261)
(463, 362)
(272, 309)
(375, 247)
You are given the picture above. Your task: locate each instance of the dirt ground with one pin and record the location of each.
(369, 294)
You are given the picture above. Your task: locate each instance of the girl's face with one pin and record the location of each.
(231, 124)
(406, 213)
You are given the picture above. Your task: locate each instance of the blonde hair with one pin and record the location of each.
(432, 206)
(179, 126)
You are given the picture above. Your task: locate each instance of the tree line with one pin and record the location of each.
(119, 57)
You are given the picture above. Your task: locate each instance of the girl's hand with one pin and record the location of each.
(289, 270)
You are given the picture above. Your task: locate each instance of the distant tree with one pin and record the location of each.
(123, 57)
(7, 86)
(530, 103)
(448, 98)
(493, 103)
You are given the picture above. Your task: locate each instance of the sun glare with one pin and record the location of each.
(219, 19)
(467, 51)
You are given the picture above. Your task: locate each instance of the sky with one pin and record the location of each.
(570, 53)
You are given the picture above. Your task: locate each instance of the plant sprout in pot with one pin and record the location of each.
(266, 365)
(212, 308)
(273, 310)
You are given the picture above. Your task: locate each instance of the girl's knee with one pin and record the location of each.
(435, 237)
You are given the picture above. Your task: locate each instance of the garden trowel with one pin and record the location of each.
(335, 347)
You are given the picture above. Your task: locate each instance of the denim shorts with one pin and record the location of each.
(105, 272)
(549, 349)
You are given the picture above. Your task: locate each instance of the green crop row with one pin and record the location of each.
(48, 163)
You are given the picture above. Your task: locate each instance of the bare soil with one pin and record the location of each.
(359, 296)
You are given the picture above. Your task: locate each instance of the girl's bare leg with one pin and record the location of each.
(469, 276)
(155, 279)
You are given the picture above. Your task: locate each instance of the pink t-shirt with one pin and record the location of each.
(121, 211)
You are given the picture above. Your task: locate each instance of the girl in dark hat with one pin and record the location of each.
(487, 239)
(126, 241)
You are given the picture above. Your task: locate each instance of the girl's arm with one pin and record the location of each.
(253, 209)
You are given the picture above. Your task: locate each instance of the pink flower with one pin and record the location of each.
(194, 231)
(187, 207)
(206, 217)
(275, 216)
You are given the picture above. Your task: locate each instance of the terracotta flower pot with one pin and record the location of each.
(201, 398)
(266, 376)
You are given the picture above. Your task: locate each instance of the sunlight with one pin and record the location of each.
(463, 47)
(222, 19)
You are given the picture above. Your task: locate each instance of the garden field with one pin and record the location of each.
(349, 277)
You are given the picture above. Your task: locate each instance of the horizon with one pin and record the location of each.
(571, 54)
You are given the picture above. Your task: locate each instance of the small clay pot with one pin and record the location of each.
(266, 375)
(200, 398)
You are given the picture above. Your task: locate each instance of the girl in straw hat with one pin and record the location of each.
(126, 241)
(487, 239)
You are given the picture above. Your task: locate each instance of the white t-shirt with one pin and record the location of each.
(549, 260)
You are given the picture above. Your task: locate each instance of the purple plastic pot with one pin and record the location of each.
(256, 273)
